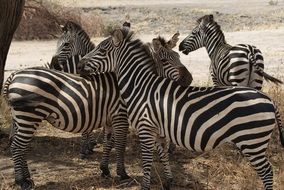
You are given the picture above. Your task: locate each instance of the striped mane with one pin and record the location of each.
(128, 36)
(163, 41)
(208, 19)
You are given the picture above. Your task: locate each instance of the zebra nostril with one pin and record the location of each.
(180, 48)
(81, 65)
(185, 51)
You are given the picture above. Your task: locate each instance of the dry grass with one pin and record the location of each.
(54, 163)
(41, 20)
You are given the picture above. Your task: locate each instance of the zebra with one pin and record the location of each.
(72, 45)
(196, 118)
(70, 103)
(239, 65)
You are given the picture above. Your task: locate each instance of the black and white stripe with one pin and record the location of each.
(70, 103)
(196, 118)
(240, 65)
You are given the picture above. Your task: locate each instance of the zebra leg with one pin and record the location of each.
(120, 136)
(88, 144)
(164, 158)
(92, 142)
(84, 153)
(107, 146)
(22, 136)
(147, 144)
(263, 169)
(172, 148)
(260, 163)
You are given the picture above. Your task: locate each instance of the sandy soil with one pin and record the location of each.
(53, 158)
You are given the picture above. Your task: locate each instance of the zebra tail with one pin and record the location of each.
(268, 77)
(7, 84)
(280, 126)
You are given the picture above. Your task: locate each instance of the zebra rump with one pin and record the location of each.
(70, 103)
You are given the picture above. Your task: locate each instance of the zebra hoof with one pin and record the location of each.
(91, 146)
(106, 176)
(90, 152)
(127, 182)
(167, 185)
(124, 178)
(105, 172)
(27, 184)
(145, 188)
(84, 156)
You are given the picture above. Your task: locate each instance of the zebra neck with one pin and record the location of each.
(217, 48)
(136, 68)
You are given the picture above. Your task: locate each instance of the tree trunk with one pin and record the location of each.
(10, 16)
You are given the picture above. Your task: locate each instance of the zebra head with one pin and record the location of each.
(197, 38)
(163, 51)
(100, 59)
(73, 41)
(167, 60)
(103, 57)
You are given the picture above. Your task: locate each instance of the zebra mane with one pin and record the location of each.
(208, 19)
(163, 41)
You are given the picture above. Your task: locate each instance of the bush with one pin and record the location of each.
(271, 2)
(42, 21)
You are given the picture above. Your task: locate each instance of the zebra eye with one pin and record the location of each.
(103, 51)
(164, 60)
(66, 44)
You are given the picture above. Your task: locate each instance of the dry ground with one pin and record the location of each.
(53, 158)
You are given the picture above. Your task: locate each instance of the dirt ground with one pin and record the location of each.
(53, 158)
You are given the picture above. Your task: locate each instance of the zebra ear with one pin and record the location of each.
(156, 44)
(126, 26)
(173, 42)
(211, 18)
(62, 28)
(117, 37)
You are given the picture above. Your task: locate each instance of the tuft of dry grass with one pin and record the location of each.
(273, 3)
(5, 118)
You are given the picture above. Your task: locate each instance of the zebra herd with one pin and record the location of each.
(145, 86)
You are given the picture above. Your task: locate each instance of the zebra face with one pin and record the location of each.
(98, 60)
(54, 64)
(193, 41)
(170, 56)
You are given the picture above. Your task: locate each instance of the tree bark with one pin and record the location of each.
(11, 12)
